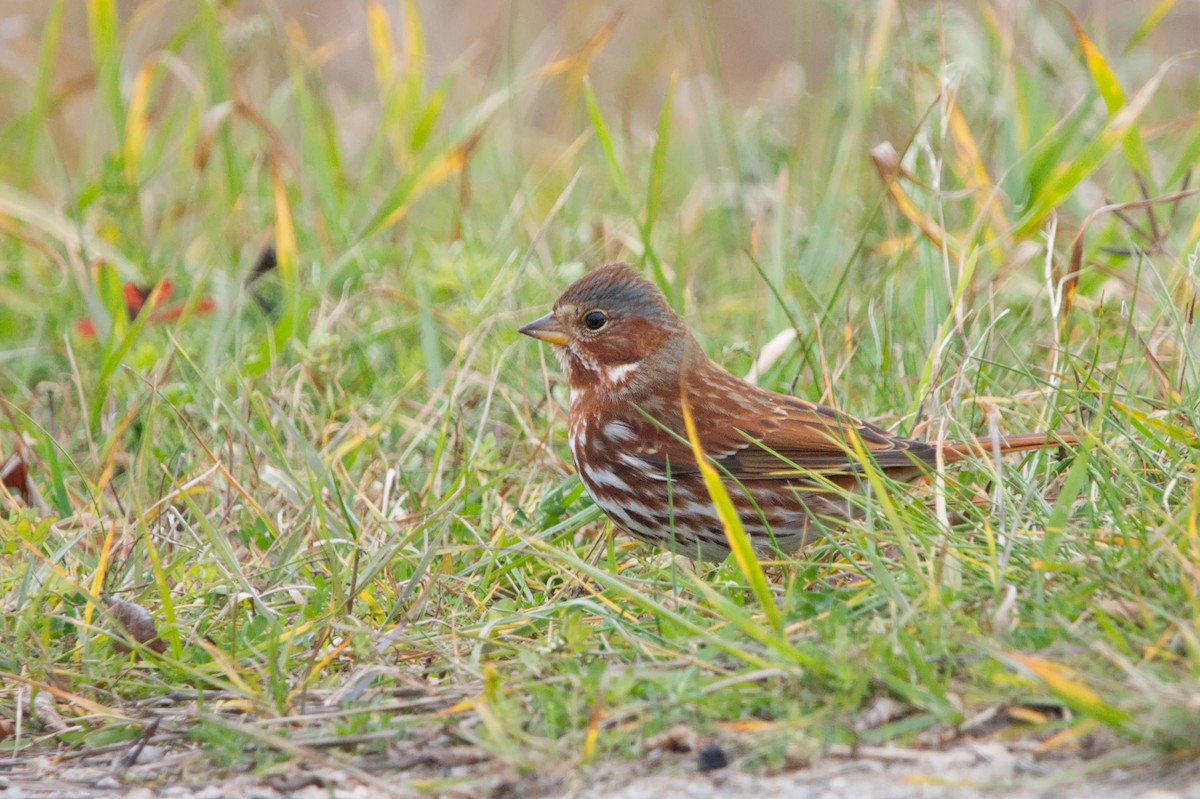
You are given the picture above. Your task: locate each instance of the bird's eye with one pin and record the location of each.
(595, 320)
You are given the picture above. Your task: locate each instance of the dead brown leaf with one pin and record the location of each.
(137, 622)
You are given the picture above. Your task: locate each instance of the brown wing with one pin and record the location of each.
(760, 435)
(819, 439)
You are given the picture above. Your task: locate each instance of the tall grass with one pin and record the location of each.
(342, 484)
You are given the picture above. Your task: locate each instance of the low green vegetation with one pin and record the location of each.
(339, 482)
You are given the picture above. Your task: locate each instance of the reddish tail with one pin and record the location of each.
(982, 448)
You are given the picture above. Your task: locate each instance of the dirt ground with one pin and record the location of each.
(973, 770)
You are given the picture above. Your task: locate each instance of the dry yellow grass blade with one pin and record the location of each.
(1114, 96)
(136, 119)
(968, 165)
(286, 248)
(97, 585)
(576, 64)
(735, 533)
(887, 164)
(1063, 681)
(92, 708)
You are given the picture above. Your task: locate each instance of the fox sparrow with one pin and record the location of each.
(629, 360)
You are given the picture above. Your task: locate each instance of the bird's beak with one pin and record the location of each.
(546, 329)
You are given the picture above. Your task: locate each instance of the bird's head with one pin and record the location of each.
(614, 329)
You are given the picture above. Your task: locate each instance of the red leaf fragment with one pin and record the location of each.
(135, 297)
(14, 475)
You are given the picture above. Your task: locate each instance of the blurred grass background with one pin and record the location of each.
(341, 484)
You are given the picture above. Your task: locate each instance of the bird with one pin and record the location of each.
(631, 364)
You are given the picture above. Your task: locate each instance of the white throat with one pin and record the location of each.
(618, 376)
